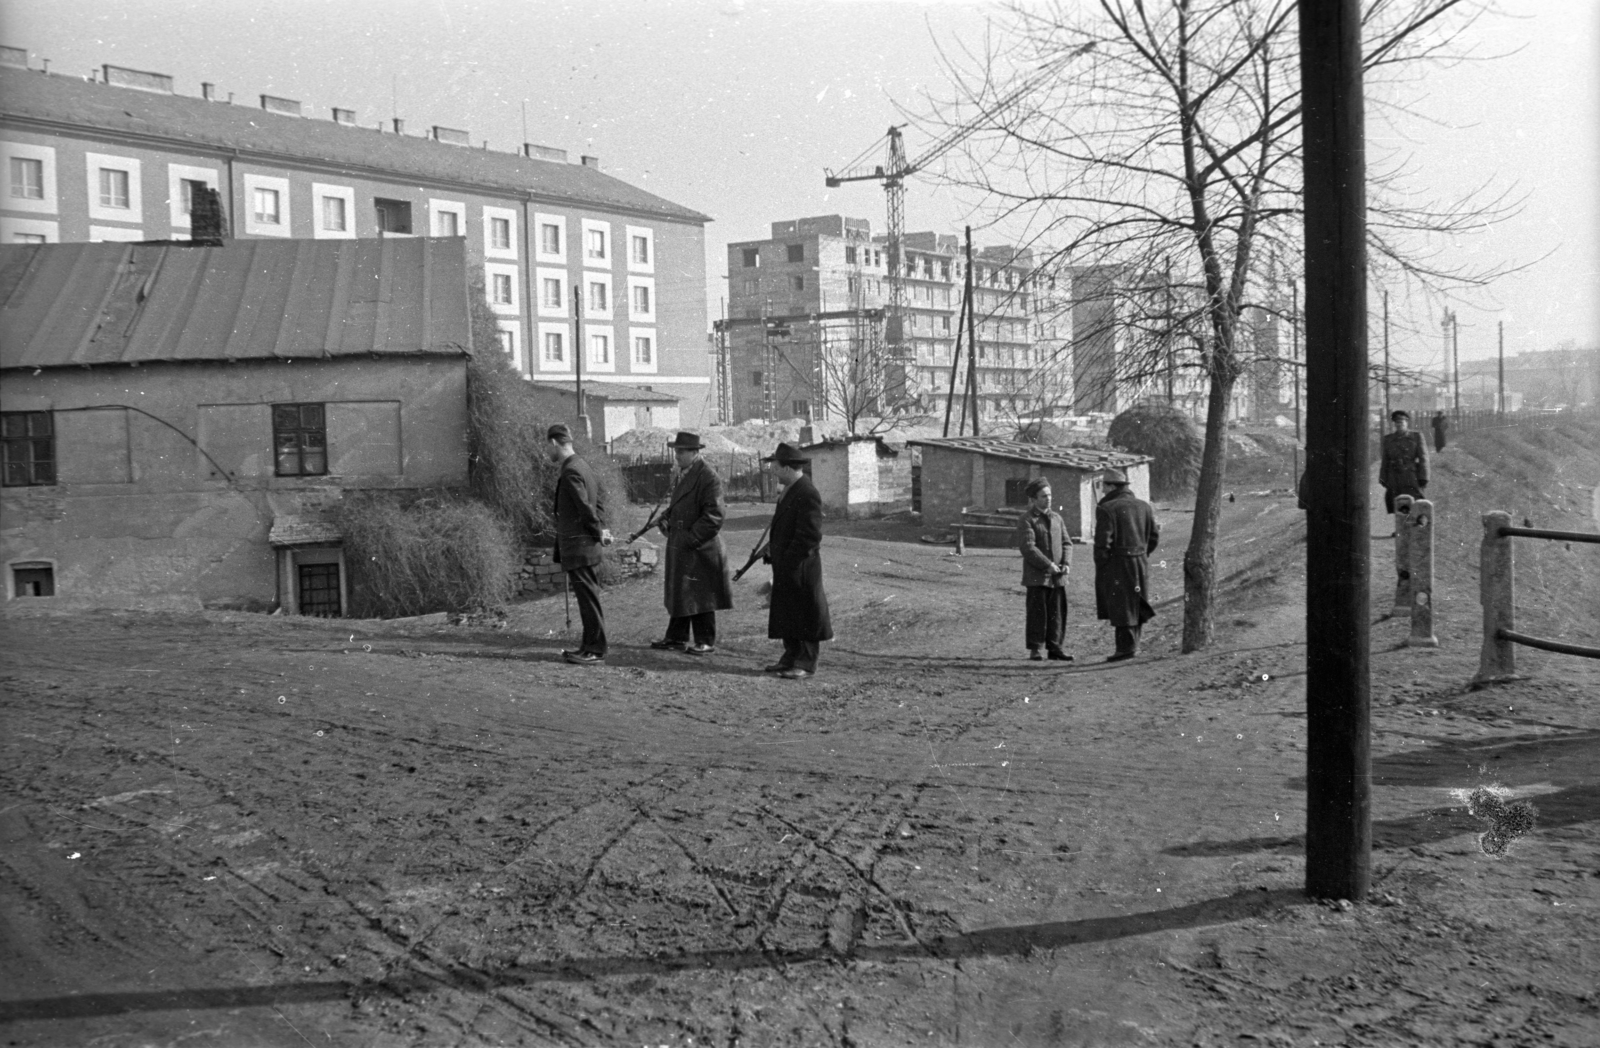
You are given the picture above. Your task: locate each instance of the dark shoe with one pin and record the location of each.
(700, 649)
(582, 658)
(794, 673)
(1061, 656)
(1121, 656)
(668, 645)
(776, 667)
(1035, 655)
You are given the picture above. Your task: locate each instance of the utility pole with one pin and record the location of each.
(972, 339)
(1166, 281)
(1500, 399)
(1338, 526)
(577, 357)
(1386, 405)
(1294, 356)
(1455, 356)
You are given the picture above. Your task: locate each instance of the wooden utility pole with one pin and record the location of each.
(1500, 400)
(1387, 407)
(1455, 355)
(577, 357)
(1338, 684)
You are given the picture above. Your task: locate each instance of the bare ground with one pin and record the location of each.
(237, 830)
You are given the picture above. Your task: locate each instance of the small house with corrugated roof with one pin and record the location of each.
(988, 473)
(179, 420)
(860, 476)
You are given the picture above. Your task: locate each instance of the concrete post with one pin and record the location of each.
(1402, 556)
(1495, 577)
(1419, 523)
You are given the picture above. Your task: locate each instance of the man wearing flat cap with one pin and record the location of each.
(799, 614)
(696, 564)
(1404, 467)
(1125, 534)
(579, 538)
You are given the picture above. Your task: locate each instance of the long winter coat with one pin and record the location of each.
(799, 607)
(577, 515)
(1043, 540)
(1404, 469)
(1125, 534)
(696, 562)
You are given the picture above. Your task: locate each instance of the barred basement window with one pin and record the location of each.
(300, 440)
(30, 448)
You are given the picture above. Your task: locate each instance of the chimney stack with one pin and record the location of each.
(344, 116)
(592, 161)
(399, 126)
(208, 91)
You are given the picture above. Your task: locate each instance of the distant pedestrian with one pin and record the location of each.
(1441, 429)
(799, 614)
(1046, 559)
(579, 538)
(696, 568)
(1404, 469)
(1125, 534)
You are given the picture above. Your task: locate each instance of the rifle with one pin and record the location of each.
(760, 550)
(655, 514)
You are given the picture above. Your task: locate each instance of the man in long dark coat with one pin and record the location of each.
(1125, 534)
(1441, 430)
(799, 615)
(579, 538)
(1404, 467)
(696, 569)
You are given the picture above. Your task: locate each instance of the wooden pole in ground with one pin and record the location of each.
(1338, 685)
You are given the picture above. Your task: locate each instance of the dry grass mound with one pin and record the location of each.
(413, 556)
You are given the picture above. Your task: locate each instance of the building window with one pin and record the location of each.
(27, 178)
(641, 249)
(550, 293)
(851, 284)
(33, 580)
(802, 408)
(447, 223)
(555, 348)
(643, 350)
(600, 349)
(752, 257)
(795, 252)
(300, 440)
(266, 207)
(596, 246)
(319, 589)
(750, 285)
(850, 256)
(944, 325)
(641, 299)
(599, 300)
(944, 271)
(28, 238)
(508, 343)
(500, 292)
(550, 238)
(30, 448)
(113, 188)
(394, 216)
(500, 234)
(756, 378)
(334, 218)
(798, 283)
(188, 187)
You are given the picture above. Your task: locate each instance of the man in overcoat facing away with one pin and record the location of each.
(799, 614)
(697, 583)
(579, 538)
(1404, 467)
(1125, 534)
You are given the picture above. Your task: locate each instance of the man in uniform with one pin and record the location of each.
(696, 570)
(1404, 469)
(579, 536)
(1125, 534)
(799, 614)
(1046, 558)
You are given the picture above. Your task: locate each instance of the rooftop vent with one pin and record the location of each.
(451, 135)
(121, 76)
(544, 153)
(592, 161)
(286, 106)
(14, 56)
(399, 126)
(344, 116)
(208, 91)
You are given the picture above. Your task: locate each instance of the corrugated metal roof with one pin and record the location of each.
(1086, 459)
(261, 135)
(114, 303)
(613, 391)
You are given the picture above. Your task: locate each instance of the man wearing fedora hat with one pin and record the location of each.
(1125, 534)
(799, 613)
(696, 563)
(579, 536)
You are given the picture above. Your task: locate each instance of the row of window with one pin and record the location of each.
(555, 299)
(922, 266)
(555, 345)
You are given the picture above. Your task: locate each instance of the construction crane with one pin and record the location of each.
(894, 172)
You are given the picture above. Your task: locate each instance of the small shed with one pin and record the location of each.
(614, 408)
(860, 476)
(990, 473)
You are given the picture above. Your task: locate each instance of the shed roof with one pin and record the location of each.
(614, 391)
(64, 305)
(291, 530)
(67, 103)
(1084, 459)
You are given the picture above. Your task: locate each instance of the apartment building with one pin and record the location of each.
(808, 299)
(572, 260)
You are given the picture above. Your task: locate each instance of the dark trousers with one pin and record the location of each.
(586, 587)
(1047, 617)
(1128, 640)
(704, 626)
(801, 654)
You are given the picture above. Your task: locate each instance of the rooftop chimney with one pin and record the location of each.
(208, 91)
(451, 135)
(286, 106)
(399, 126)
(344, 116)
(534, 152)
(120, 76)
(592, 161)
(14, 56)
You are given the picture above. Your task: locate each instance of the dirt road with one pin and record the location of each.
(238, 830)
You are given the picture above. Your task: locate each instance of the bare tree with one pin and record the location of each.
(853, 380)
(1162, 163)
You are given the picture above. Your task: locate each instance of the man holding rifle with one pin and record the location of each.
(696, 566)
(799, 615)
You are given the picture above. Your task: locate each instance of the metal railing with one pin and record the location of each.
(1496, 581)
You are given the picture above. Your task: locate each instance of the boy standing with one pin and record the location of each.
(1046, 559)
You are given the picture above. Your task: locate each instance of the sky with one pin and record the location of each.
(735, 107)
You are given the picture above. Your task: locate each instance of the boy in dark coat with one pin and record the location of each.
(1046, 559)
(1125, 534)
(696, 564)
(799, 615)
(579, 537)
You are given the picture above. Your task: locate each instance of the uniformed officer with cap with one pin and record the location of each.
(1404, 468)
